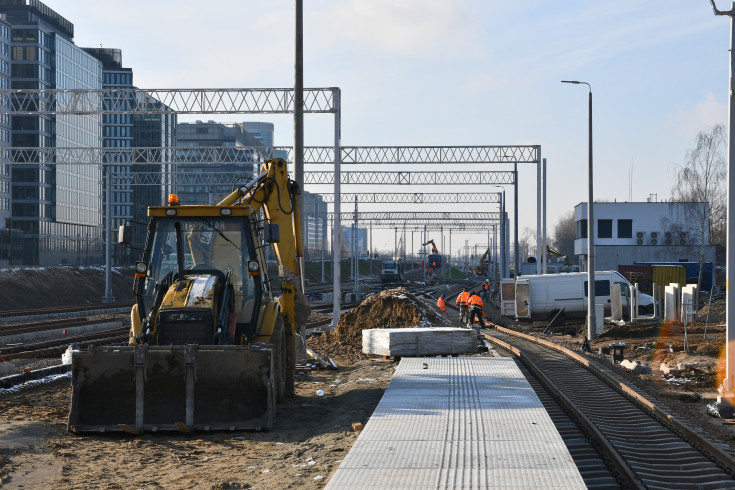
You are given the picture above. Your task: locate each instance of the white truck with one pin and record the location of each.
(390, 272)
(541, 297)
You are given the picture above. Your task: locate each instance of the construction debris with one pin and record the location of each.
(392, 308)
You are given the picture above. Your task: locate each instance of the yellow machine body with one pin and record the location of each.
(210, 346)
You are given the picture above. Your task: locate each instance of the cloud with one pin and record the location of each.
(703, 115)
(401, 28)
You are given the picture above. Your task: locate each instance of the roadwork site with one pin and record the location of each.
(316, 428)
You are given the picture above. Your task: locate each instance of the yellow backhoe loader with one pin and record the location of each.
(211, 348)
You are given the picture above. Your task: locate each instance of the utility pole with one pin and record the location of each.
(727, 389)
(108, 225)
(298, 119)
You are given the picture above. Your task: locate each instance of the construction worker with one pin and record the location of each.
(463, 300)
(485, 289)
(442, 304)
(477, 309)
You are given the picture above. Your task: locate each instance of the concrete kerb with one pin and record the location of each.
(637, 398)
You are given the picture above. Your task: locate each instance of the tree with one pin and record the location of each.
(565, 232)
(703, 180)
(527, 243)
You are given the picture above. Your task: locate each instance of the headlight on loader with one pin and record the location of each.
(253, 268)
(141, 269)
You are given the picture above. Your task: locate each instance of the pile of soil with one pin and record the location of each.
(392, 308)
(27, 287)
(714, 313)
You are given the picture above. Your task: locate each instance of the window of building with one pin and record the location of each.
(604, 228)
(582, 228)
(625, 228)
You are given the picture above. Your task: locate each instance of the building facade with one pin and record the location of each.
(117, 133)
(316, 236)
(629, 232)
(226, 149)
(152, 180)
(56, 204)
(5, 178)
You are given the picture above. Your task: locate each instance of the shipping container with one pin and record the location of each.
(663, 275)
(691, 272)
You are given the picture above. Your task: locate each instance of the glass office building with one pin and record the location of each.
(117, 133)
(152, 181)
(57, 204)
(227, 152)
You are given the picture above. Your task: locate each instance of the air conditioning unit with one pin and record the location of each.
(639, 237)
(683, 237)
(668, 235)
(654, 237)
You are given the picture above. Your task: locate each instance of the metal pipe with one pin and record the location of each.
(337, 197)
(543, 226)
(108, 231)
(516, 252)
(727, 389)
(591, 315)
(539, 251)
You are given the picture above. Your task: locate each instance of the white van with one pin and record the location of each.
(390, 272)
(540, 297)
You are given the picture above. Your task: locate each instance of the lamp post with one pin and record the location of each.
(727, 389)
(591, 317)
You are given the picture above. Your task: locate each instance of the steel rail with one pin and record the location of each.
(615, 439)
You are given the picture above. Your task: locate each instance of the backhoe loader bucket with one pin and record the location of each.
(186, 387)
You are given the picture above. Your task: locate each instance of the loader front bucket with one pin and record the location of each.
(149, 388)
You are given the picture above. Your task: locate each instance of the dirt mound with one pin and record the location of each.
(392, 308)
(26, 287)
(714, 313)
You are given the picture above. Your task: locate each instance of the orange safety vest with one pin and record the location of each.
(442, 304)
(463, 298)
(485, 286)
(476, 301)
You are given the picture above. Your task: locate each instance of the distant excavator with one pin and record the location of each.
(483, 267)
(434, 259)
(558, 254)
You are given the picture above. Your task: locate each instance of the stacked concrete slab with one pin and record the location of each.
(403, 342)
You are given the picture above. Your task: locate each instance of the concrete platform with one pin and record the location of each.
(458, 423)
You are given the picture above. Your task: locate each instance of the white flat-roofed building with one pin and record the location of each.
(630, 232)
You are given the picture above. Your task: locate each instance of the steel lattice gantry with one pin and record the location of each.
(172, 101)
(269, 101)
(417, 198)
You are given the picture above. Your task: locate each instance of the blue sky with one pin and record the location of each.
(456, 72)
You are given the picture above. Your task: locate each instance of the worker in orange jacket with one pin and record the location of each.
(477, 309)
(442, 304)
(463, 300)
(485, 289)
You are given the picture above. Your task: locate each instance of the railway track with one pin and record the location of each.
(62, 309)
(643, 445)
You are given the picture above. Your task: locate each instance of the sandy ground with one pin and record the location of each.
(311, 437)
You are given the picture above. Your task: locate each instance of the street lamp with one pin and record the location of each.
(727, 389)
(503, 251)
(591, 317)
